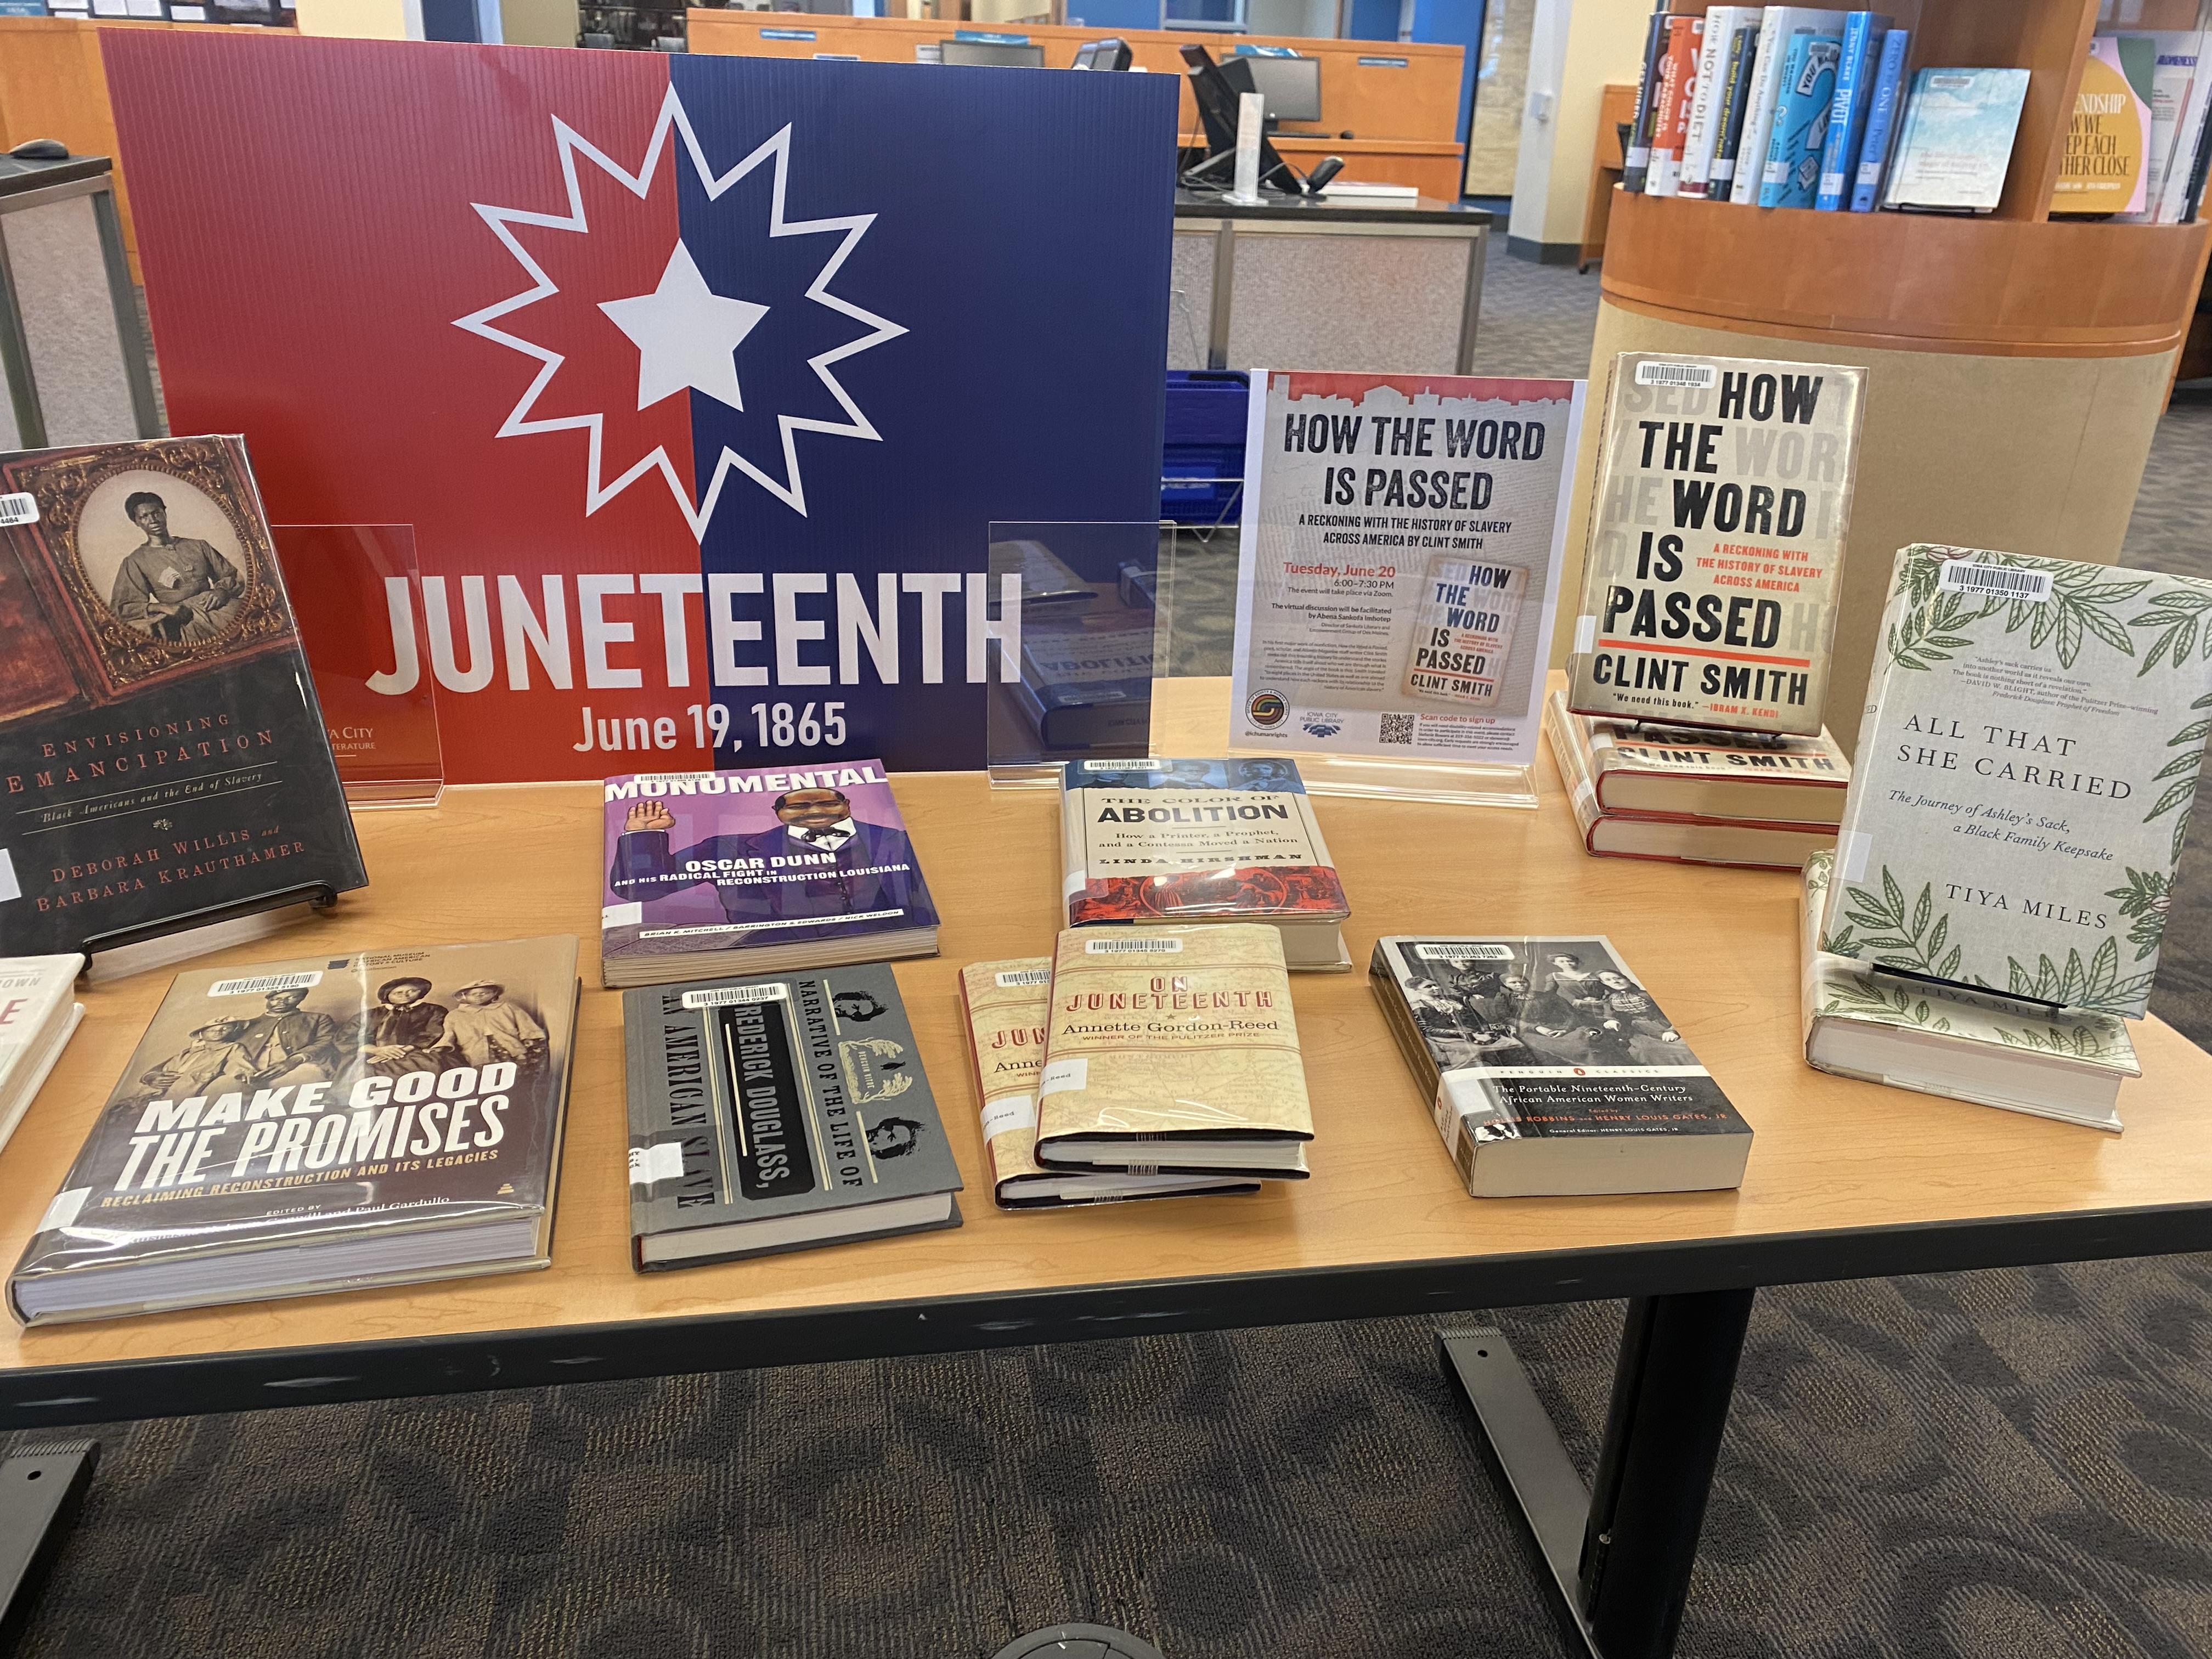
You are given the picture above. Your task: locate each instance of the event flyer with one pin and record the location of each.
(1400, 563)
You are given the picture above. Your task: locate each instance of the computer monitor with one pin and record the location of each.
(1291, 86)
(1086, 56)
(1111, 53)
(1004, 54)
(1216, 97)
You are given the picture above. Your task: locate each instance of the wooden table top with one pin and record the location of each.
(1846, 1179)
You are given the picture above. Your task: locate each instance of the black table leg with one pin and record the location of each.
(41, 1491)
(1618, 1558)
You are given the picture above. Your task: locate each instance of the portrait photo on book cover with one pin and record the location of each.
(151, 562)
(1535, 1002)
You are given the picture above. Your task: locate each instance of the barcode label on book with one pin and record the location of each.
(1467, 952)
(662, 1161)
(247, 987)
(1014, 976)
(1701, 376)
(724, 996)
(18, 510)
(1138, 946)
(2006, 581)
(1143, 764)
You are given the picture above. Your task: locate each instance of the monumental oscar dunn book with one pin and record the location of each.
(1005, 1006)
(324, 1124)
(758, 869)
(778, 1113)
(163, 759)
(1155, 840)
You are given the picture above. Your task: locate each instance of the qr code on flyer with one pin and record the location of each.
(1397, 728)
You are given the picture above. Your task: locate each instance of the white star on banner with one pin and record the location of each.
(686, 335)
(657, 361)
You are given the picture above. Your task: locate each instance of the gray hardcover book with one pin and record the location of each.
(2026, 767)
(776, 1113)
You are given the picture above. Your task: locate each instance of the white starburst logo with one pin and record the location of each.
(686, 335)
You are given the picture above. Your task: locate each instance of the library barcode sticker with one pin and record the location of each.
(1702, 377)
(1138, 946)
(2004, 580)
(18, 509)
(725, 995)
(1143, 764)
(1013, 976)
(662, 1161)
(266, 983)
(65, 1210)
(1470, 951)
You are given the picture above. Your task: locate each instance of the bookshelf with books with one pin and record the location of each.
(2016, 361)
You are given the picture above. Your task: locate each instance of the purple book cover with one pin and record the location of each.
(707, 861)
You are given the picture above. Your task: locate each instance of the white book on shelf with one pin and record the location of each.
(1775, 27)
(2168, 195)
(1703, 133)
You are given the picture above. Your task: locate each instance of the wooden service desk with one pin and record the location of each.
(1846, 1179)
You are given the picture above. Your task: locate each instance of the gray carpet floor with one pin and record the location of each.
(1982, 1466)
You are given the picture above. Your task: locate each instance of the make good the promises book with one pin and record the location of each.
(2029, 754)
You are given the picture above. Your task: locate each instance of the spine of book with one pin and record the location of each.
(1774, 174)
(1847, 108)
(1636, 155)
(1735, 86)
(1700, 130)
(1685, 36)
(1881, 121)
(1574, 770)
(2196, 139)
(1759, 106)
(1801, 122)
(2173, 72)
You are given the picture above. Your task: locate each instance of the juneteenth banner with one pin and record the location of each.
(700, 379)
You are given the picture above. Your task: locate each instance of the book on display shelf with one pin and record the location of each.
(1173, 1051)
(1735, 100)
(2106, 169)
(1954, 145)
(1883, 114)
(1722, 498)
(1777, 24)
(1858, 66)
(1550, 1070)
(330, 1123)
(1152, 840)
(1749, 841)
(1005, 1006)
(2026, 765)
(758, 869)
(1802, 104)
(1636, 154)
(1702, 130)
(1644, 770)
(159, 732)
(39, 1013)
(1945, 1040)
(1677, 85)
(779, 1114)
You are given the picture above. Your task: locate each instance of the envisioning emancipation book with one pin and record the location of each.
(1173, 1051)
(325, 1124)
(1553, 1071)
(1945, 1040)
(758, 871)
(1723, 490)
(1006, 1006)
(161, 752)
(1753, 843)
(2030, 751)
(775, 1113)
(1153, 840)
(38, 1015)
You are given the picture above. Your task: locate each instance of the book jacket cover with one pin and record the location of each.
(1955, 146)
(755, 1099)
(1163, 840)
(697, 860)
(1006, 1004)
(2026, 767)
(161, 752)
(292, 1103)
(1722, 495)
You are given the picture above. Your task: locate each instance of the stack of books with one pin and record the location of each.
(1698, 797)
(2138, 144)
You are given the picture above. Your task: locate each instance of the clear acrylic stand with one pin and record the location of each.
(1088, 653)
(382, 720)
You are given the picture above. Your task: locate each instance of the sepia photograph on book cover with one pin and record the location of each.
(2033, 734)
(286, 1102)
(701, 860)
(1717, 516)
(1548, 1036)
(1399, 563)
(161, 750)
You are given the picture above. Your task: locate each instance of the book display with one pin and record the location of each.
(771, 1115)
(38, 1014)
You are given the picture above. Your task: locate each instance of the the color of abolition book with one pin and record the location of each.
(38, 1015)
(1156, 840)
(775, 1113)
(327, 1124)
(1173, 1051)
(1945, 1040)
(758, 871)
(1722, 494)
(1553, 1071)
(161, 751)
(1007, 1005)
(2026, 767)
